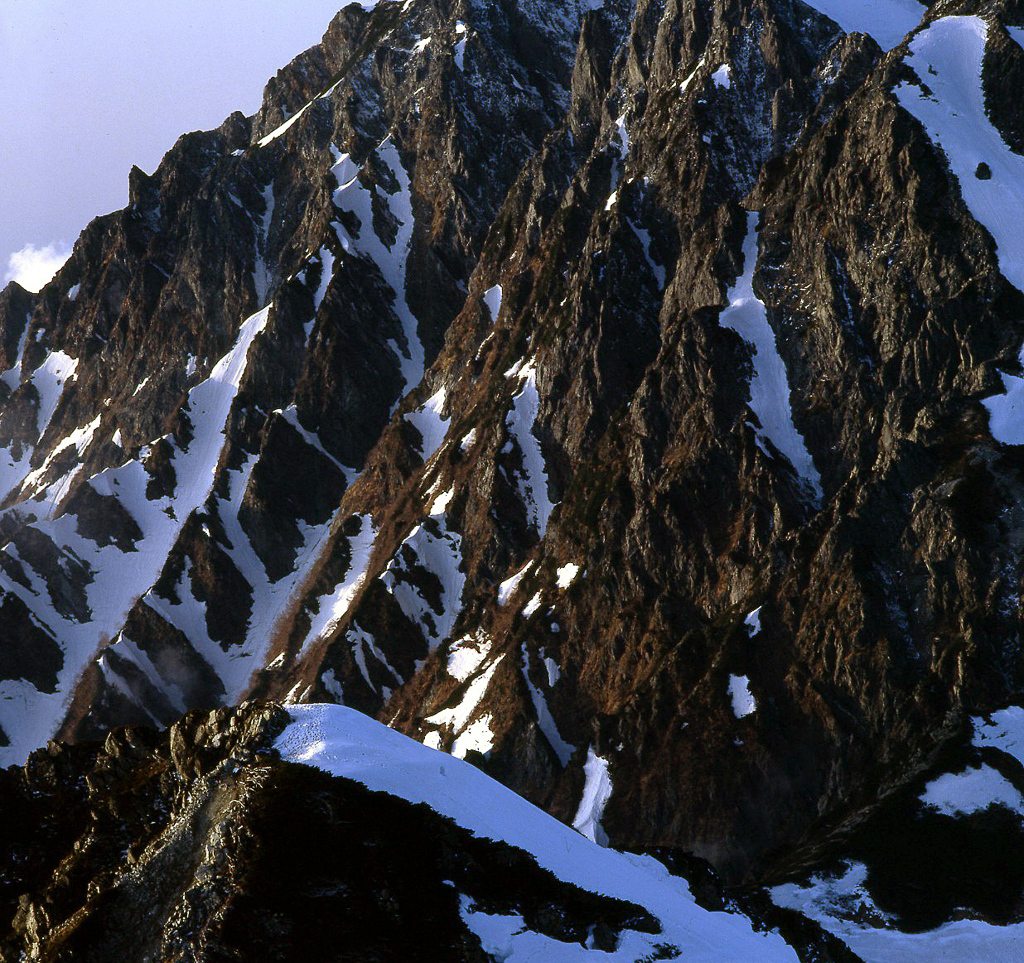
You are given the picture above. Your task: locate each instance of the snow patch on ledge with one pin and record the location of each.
(431, 423)
(508, 588)
(492, 298)
(567, 575)
(467, 655)
(971, 791)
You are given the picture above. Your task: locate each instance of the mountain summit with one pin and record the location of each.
(623, 397)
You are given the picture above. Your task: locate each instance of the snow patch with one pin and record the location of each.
(333, 607)
(545, 720)
(477, 736)
(532, 476)
(261, 272)
(283, 128)
(291, 415)
(492, 298)
(439, 506)
(684, 84)
(656, 269)
(971, 791)
(567, 575)
(12, 376)
(467, 655)
(508, 588)
(532, 606)
(722, 77)
(460, 46)
(769, 386)
(430, 423)
(332, 685)
(743, 702)
(1004, 731)
(597, 790)
(50, 380)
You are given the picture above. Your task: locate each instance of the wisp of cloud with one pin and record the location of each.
(33, 266)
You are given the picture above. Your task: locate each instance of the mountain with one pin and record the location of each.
(623, 398)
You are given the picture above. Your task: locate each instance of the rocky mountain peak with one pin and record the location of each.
(620, 397)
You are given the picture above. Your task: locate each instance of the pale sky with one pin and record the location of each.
(90, 87)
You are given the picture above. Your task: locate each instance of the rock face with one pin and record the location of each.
(624, 397)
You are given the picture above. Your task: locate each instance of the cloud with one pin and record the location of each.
(33, 266)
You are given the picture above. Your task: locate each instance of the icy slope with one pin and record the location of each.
(346, 743)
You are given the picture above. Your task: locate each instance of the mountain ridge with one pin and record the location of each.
(612, 395)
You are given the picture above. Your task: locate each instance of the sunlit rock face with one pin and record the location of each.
(624, 398)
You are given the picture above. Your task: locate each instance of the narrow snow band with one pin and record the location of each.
(769, 386)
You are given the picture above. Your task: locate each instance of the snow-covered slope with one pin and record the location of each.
(348, 744)
(886, 21)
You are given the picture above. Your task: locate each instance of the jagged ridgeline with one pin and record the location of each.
(624, 397)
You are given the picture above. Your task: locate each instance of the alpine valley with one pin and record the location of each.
(549, 486)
